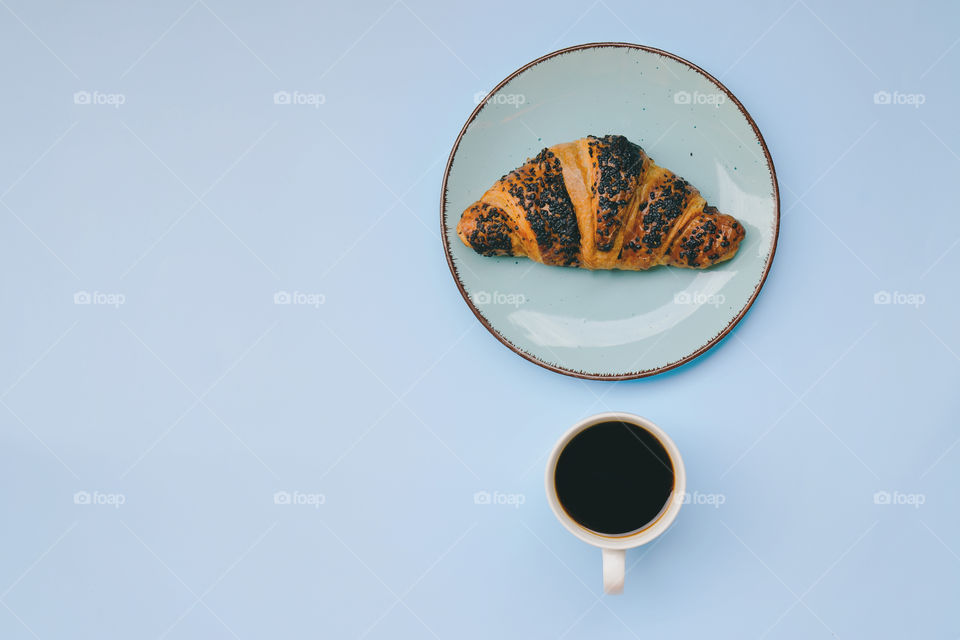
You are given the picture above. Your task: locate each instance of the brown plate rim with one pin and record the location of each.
(600, 376)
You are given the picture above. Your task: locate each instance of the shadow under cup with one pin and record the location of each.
(614, 478)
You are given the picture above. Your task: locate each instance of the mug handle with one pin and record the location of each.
(614, 570)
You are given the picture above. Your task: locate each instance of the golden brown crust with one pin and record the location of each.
(707, 238)
(599, 203)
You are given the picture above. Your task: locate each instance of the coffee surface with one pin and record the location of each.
(614, 478)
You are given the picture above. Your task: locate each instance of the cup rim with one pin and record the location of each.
(649, 532)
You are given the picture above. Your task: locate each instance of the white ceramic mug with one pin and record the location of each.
(613, 548)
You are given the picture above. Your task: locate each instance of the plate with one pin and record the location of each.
(614, 325)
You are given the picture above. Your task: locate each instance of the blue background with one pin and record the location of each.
(197, 399)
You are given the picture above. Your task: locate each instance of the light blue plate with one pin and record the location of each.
(615, 324)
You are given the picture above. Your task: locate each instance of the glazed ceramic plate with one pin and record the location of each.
(614, 324)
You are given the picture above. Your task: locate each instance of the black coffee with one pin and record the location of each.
(614, 478)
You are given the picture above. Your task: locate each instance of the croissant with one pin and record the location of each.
(599, 203)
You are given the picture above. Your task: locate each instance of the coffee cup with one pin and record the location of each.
(616, 481)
